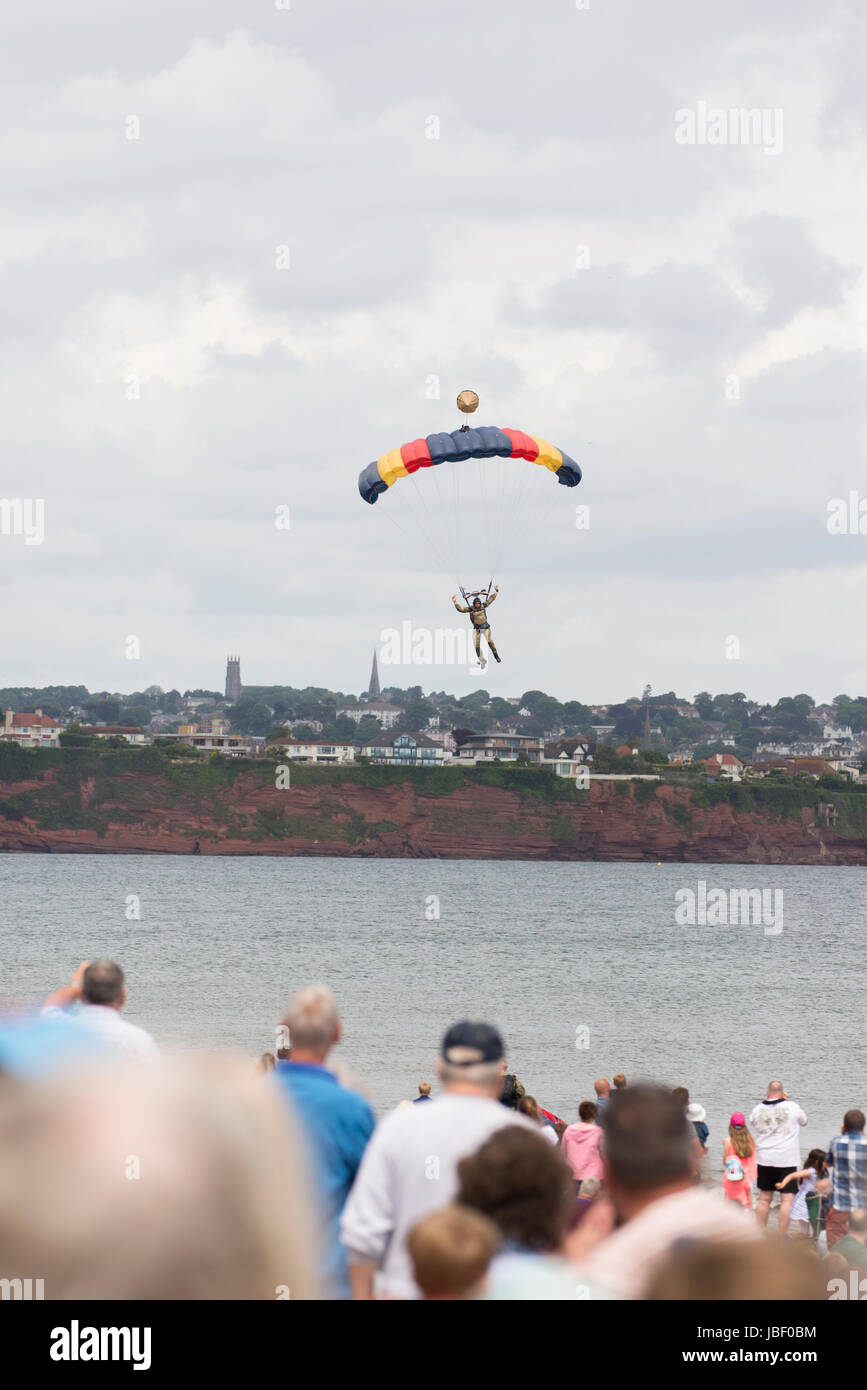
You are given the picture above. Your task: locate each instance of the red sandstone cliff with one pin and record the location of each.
(399, 821)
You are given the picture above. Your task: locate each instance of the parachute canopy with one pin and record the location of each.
(485, 441)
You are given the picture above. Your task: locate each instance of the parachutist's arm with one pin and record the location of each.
(489, 601)
(458, 606)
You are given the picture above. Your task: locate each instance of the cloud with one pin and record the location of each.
(778, 261)
(165, 385)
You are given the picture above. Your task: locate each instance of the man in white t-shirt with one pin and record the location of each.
(776, 1122)
(409, 1168)
(99, 987)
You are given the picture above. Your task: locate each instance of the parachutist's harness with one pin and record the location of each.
(484, 595)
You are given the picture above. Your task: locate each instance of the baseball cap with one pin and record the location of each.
(466, 1043)
(737, 1120)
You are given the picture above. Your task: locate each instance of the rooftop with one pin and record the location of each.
(30, 720)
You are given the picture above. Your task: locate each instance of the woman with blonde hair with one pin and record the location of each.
(740, 1164)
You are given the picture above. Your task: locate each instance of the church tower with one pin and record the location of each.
(373, 688)
(233, 679)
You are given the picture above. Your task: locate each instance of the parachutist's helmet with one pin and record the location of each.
(477, 603)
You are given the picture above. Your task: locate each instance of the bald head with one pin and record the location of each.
(858, 1225)
(602, 1087)
(775, 1090)
(313, 1022)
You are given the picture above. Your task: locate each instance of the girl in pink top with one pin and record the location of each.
(739, 1162)
(581, 1144)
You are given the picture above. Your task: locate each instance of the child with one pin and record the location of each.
(739, 1162)
(588, 1193)
(697, 1116)
(451, 1250)
(815, 1170)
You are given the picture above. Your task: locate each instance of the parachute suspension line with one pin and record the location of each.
(513, 483)
(502, 501)
(459, 535)
(413, 540)
(486, 508)
(505, 488)
(549, 511)
(420, 521)
(502, 517)
(453, 488)
(513, 487)
(444, 531)
(524, 483)
(410, 538)
(493, 490)
(432, 523)
(448, 523)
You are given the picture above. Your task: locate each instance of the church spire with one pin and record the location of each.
(373, 688)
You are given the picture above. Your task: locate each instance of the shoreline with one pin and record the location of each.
(319, 852)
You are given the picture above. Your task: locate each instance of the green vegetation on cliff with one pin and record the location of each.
(94, 788)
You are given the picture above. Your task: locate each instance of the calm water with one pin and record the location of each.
(540, 949)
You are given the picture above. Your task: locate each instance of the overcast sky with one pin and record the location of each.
(486, 194)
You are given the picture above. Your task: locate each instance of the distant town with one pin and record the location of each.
(724, 736)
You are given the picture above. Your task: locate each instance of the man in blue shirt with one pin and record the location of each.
(336, 1122)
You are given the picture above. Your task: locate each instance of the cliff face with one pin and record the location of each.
(146, 812)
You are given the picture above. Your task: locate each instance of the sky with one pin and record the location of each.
(248, 248)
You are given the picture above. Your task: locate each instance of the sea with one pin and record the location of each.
(586, 969)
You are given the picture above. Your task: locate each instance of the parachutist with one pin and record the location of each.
(478, 617)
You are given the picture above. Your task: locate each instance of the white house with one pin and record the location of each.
(315, 750)
(208, 726)
(131, 733)
(558, 749)
(846, 765)
(230, 745)
(505, 747)
(381, 710)
(444, 738)
(34, 730)
(831, 732)
(405, 750)
(577, 769)
(726, 766)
